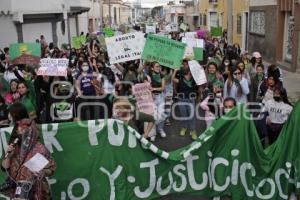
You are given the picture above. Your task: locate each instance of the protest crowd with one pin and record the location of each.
(141, 92)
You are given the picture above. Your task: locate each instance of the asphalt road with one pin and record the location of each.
(174, 141)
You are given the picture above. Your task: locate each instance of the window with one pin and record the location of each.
(204, 20)
(239, 24)
(201, 19)
(213, 1)
(257, 24)
(214, 21)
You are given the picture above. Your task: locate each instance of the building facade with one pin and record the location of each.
(214, 13)
(274, 31)
(120, 12)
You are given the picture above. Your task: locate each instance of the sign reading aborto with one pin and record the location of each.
(125, 47)
(166, 52)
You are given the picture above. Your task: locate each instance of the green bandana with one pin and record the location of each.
(156, 77)
(211, 77)
(188, 82)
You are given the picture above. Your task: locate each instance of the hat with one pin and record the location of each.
(256, 54)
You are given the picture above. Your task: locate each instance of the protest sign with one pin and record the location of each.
(191, 44)
(172, 27)
(53, 67)
(106, 159)
(150, 29)
(78, 41)
(25, 53)
(190, 35)
(216, 31)
(125, 47)
(165, 51)
(144, 98)
(108, 32)
(198, 72)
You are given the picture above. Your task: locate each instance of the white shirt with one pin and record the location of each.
(278, 111)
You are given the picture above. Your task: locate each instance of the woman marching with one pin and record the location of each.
(24, 145)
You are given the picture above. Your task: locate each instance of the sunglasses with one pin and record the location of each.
(237, 73)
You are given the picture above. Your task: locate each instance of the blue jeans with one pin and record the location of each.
(187, 109)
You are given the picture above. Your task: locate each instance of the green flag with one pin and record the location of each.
(25, 53)
(105, 159)
(216, 31)
(165, 51)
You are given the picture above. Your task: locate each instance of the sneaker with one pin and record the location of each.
(167, 122)
(152, 139)
(162, 134)
(183, 132)
(194, 135)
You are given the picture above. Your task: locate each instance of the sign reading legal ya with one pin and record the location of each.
(125, 47)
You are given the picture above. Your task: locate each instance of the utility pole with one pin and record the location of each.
(229, 22)
(101, 12)
(93, 5)
(109, 12)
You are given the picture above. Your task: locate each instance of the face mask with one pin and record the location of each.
(72, 61)
(226, 63)
(219, 95)
(278, 99)
(235, 76)
(227, 110)
(85, 68)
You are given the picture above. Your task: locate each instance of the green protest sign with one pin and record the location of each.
(25, 53)
(105, 159)
(78, 41)
(216, 31)
(198, 53)
(165, 51)
(109, 32)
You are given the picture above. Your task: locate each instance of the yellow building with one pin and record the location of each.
(214, 13)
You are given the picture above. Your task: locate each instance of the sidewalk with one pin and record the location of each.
(291, 82)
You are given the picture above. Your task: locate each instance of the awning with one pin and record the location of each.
(78, 9)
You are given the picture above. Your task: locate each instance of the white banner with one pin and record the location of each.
(53, 67)
(172, 28)
(190, 35)
(125, 47)
(191, 43)
(198, 72)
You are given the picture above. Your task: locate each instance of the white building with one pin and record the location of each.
(57, 20)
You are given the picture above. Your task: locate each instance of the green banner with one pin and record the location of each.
(105, 159)
(25, 53)
(165, 51)
(216, 31)
(108, 32)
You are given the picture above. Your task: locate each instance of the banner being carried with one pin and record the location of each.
(25, 53)
(125, 47)
(53, 67)
(193, 45)
(165, 51)
(106, 159)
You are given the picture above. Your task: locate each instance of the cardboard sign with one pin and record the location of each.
(191, 35)
(25, 53)
(198, 72)
(144, 98)
(125, 47)
(78, 41)
(53, 67)
(165, 51)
